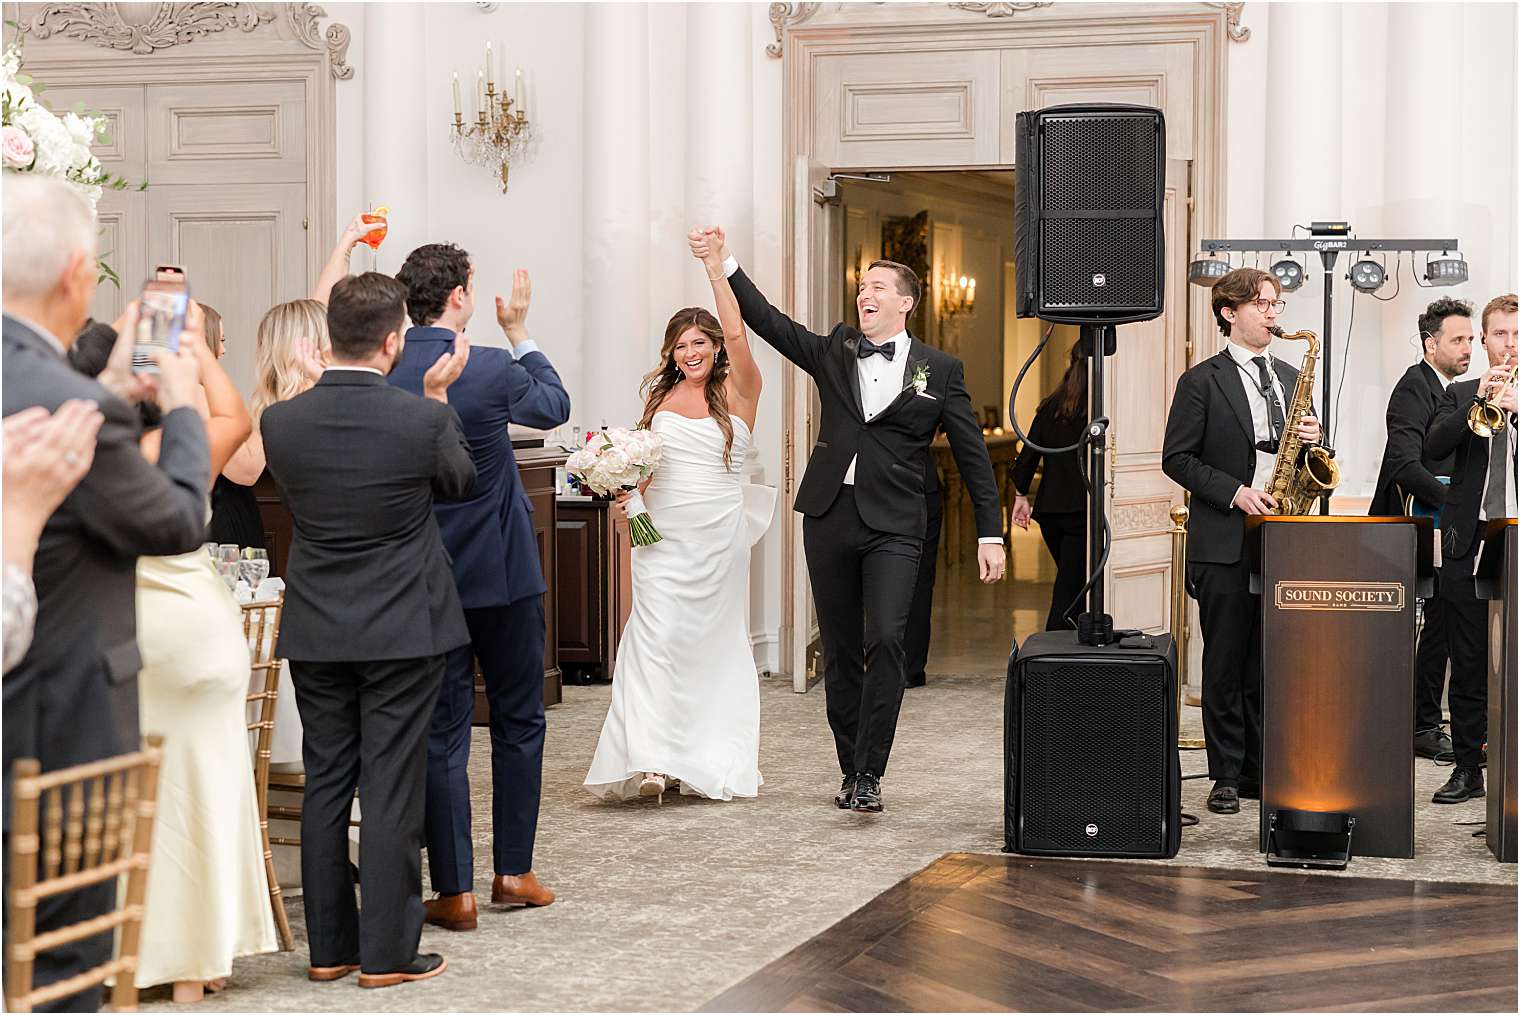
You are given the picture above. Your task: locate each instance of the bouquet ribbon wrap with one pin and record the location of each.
(641, 530)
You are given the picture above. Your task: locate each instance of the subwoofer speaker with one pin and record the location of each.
(1090, 242)
(1090, 744)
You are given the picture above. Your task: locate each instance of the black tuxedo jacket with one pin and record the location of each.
(73, 696)
(1210, 450)
(358, 463)
(1061, 488)
(1449, 435)
(891, 451)
(1405, 469)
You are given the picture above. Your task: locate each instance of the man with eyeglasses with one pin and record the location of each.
(1221, 444)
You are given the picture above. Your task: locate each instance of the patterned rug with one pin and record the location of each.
(662, 907)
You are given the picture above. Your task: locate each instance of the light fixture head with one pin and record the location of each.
(1289, 273)
(1367, 275)
(1206, 269)
(1448, 269)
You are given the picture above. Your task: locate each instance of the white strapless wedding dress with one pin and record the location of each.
(685, 694)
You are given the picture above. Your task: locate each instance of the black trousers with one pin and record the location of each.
(916, 643)
(1467, 638)
(1065, 535)
(863, 582)
(1430, 663)
(1230, 617)
(365, 726)
(509, 641)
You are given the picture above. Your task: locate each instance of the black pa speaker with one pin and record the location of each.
(1090, 243)
(1090, 749)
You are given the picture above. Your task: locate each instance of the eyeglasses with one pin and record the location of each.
(1276, 306)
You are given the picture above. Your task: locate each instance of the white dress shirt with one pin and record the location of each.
(1261, 420)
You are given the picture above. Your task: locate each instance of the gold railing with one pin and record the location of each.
(1180, 618)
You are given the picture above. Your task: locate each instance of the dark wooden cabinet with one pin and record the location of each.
(595, 585)
(537, 467)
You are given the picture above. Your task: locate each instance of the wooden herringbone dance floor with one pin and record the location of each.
(978, 933)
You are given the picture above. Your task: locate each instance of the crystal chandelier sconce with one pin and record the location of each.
(501, 133)
(957, 296)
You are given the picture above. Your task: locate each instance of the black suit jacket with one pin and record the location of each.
(1449, 435)
(891, 451)
(1061, 486)
(73, 697)
(358, 463)
(1210, 450)
(1405, 469)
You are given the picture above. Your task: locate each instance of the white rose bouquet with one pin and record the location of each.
(619, 459)
(34, 139)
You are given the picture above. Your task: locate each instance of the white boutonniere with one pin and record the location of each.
(920, 378)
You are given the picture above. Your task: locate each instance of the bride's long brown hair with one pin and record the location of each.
(660, 381)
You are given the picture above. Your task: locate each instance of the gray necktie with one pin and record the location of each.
(1500, 452)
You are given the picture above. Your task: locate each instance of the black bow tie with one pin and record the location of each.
(887, 349)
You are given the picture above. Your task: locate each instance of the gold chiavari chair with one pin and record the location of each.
(261, 627)
(96, 824)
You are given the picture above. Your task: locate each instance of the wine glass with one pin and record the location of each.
(255, 566)
(379, 216)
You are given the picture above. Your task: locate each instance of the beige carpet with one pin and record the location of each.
(662, 907)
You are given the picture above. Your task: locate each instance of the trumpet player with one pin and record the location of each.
(1222, 436)
(1476, 423)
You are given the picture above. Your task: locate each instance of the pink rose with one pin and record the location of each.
(16, 148)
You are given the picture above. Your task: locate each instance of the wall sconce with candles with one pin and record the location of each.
(501, 132)
(956, 296)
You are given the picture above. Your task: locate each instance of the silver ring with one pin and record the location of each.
(72, 458)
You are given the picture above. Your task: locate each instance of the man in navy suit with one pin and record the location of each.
(500, 582)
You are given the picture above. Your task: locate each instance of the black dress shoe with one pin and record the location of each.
(846, 793)
(1224, 800)
(424, 967)
(1432, 743)
(1464, 784)
(917, 681)
(867, 793)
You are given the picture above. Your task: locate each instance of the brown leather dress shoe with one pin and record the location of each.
(326, 974)
(451, 912)
(519, 890)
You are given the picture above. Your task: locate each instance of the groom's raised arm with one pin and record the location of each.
(791, 339)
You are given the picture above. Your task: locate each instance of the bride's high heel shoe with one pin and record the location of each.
(653, 785)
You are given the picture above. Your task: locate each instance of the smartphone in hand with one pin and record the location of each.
(161, 309)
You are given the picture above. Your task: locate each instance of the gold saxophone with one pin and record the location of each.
(1294, 485)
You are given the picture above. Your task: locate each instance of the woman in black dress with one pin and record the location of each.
(234, 509)
(1060, 505)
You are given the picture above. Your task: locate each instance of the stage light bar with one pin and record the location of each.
(1205, 270)
(1290, 274)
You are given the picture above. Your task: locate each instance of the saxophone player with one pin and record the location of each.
(1482, 487)
(1446, 337)
(1227, 418)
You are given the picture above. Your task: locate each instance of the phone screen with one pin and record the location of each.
(161, 311)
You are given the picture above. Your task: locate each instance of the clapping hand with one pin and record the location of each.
(446, 370)
(46, 456)
(512, 314)
(308, 358)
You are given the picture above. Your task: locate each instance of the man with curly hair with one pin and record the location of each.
(500, 582)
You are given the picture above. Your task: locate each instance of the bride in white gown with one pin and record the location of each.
(685, 694)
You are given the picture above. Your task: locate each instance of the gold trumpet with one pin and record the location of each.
(1484, 417)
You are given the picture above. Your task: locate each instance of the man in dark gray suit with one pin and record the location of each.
(370, 614)
(73, 697)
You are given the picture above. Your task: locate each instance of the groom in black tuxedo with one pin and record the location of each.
(883, 393)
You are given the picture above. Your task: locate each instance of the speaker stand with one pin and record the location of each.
(1095, 627)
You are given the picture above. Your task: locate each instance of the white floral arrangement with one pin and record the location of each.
(34, 139)
(617, 460)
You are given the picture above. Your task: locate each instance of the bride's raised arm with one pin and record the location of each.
(708, 246)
